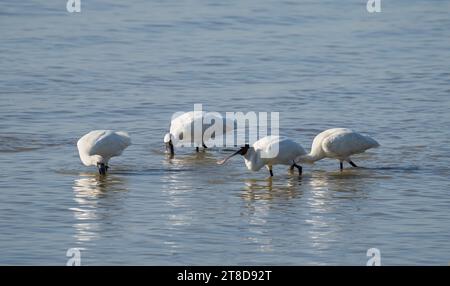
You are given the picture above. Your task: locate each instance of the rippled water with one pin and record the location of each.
(131, 65)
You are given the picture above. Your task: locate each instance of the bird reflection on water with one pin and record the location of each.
(326, 192)
(190, 160)
(271, 189)
(97, 200)
(321, 194)
(333, 183)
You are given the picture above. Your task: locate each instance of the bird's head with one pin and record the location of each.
(168, 140)
(242, 151)
(102, 168)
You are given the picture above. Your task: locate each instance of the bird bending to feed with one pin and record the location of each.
(269, 151)
(182, 130)
(98, 146)
(338, 143)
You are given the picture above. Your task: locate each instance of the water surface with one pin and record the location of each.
(129, 66)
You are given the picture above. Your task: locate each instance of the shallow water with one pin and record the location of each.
(129, 66)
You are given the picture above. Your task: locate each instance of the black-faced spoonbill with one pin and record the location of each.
(98, 146)
(269, 151)
(338, 143)
(191, 128)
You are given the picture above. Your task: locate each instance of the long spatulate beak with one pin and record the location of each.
(223, 161)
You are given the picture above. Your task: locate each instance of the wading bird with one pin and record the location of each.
(98, 146)
(190, 128)
(338, 143)
(269, 151)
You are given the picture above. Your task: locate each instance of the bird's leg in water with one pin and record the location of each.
(341, 165)
(204, 146)
(270, 170)
(197, 149)
(299, 168)
(353, 164)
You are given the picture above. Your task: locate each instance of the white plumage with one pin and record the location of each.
(338, 143)
(269, 151)
(97, 147)
(182, 131)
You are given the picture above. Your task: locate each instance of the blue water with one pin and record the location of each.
(128, 65)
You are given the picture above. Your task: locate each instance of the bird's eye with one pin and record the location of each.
(180, 136)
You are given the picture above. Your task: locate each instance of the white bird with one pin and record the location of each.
(269, 151)
(338, 143)
(189, 129)
(98, 146)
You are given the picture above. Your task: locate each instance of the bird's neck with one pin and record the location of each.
(252, 160)
(311, 157)
(97, 159)
(87, 159)
(315, 154)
